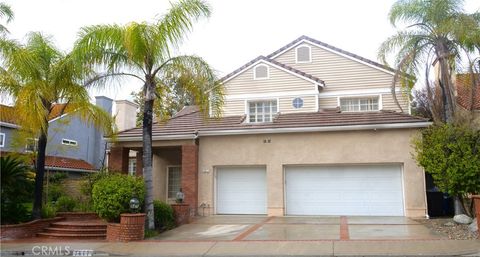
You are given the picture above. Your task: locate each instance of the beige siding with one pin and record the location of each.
(234, 107)
(340, 73)
(388, 102)
(279, 81)
(328, 102)
(309, 104)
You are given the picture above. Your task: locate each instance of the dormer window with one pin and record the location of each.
(303, 54)
(359, 104)
(260, 72)
(262, 111)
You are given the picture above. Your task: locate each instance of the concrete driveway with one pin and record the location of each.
(262, 228)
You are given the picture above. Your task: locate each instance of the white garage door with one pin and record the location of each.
(241, 190)
(344, 190)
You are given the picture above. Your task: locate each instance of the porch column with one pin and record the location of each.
(190, 176)
(118, 159)
(139, 157)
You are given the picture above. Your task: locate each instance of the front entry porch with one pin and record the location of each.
(175, 167)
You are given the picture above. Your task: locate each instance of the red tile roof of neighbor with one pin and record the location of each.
(464, 92)
(60, 163)
(190, 120)
(8, 115)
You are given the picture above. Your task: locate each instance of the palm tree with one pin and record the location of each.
(145, 51)
(7, 14)
(38, 76)
(437, 33)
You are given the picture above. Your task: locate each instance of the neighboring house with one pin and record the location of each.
(468, 98)
(307, 130)
(73, 145)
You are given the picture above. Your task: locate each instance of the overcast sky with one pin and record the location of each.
(237, 31)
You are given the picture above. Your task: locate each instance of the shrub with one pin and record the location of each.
(48, 211)
(164, 217)
(17, 181)
(111, 195)
(65, 203)
(53, 192)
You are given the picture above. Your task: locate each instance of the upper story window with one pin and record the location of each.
(260, 72)
(359, 104)
(303, 53)
(297, 103)
(262, 111)
(69, 142)
(2, 139)
(31, 145)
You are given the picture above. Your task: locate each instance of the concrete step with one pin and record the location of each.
(71, 236)
(76, 230)
(79, 225)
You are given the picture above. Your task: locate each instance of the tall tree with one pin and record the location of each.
(437, 33)
(6, 14)
(145, 51)
(38, 76)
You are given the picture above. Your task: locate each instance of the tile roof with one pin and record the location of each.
(336, 49)
(464, 92)
(67, 163)
(8, 115)
(60, 162)
(195, 122)
(268, 60)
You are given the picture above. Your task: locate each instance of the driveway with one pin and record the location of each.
(262, 228)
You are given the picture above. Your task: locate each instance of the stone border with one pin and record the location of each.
(26, 230)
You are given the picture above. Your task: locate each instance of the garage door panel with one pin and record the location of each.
(344, 190)
(241, 190)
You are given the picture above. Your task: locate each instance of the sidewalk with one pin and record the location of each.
(251, 248)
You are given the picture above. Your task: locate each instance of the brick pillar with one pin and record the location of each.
(118, 159)
(190, 176)
(139, 158)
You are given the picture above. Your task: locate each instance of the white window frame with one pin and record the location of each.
(166, 189)
(247, 108)
(132, 172)
(35, 145)
(378, 97)
(309, 53)
(2, 142)
(255, 72)
(69, 142)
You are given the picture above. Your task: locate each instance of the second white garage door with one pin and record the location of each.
(344, 190)
(241, 190)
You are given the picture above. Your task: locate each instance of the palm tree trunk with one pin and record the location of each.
(446, 84)
(40, 172)
(147, 152)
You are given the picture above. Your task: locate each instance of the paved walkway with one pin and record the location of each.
(256, 248)
(270, 236)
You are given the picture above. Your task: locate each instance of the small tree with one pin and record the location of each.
(451, 153)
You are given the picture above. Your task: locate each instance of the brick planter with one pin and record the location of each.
(476, 202)
(26, 230)
(181, 211)
(130, 228)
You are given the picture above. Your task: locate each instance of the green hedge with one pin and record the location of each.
(164, 218)
(112, 193)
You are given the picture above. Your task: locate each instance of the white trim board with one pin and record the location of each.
(303, 41)
(272, 95)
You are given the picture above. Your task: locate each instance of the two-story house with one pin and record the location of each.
(309, 129)
(73, 146)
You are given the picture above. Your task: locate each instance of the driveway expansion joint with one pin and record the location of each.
(249, 231)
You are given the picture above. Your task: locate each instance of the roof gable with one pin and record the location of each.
(333, 49)
(278, 65)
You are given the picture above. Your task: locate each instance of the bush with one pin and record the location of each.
(164, 217)
(111, 195)
(17, 182)
(53, 192)
(65, 204)
(48, 211)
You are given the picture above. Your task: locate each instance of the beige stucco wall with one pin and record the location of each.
(355, 147)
